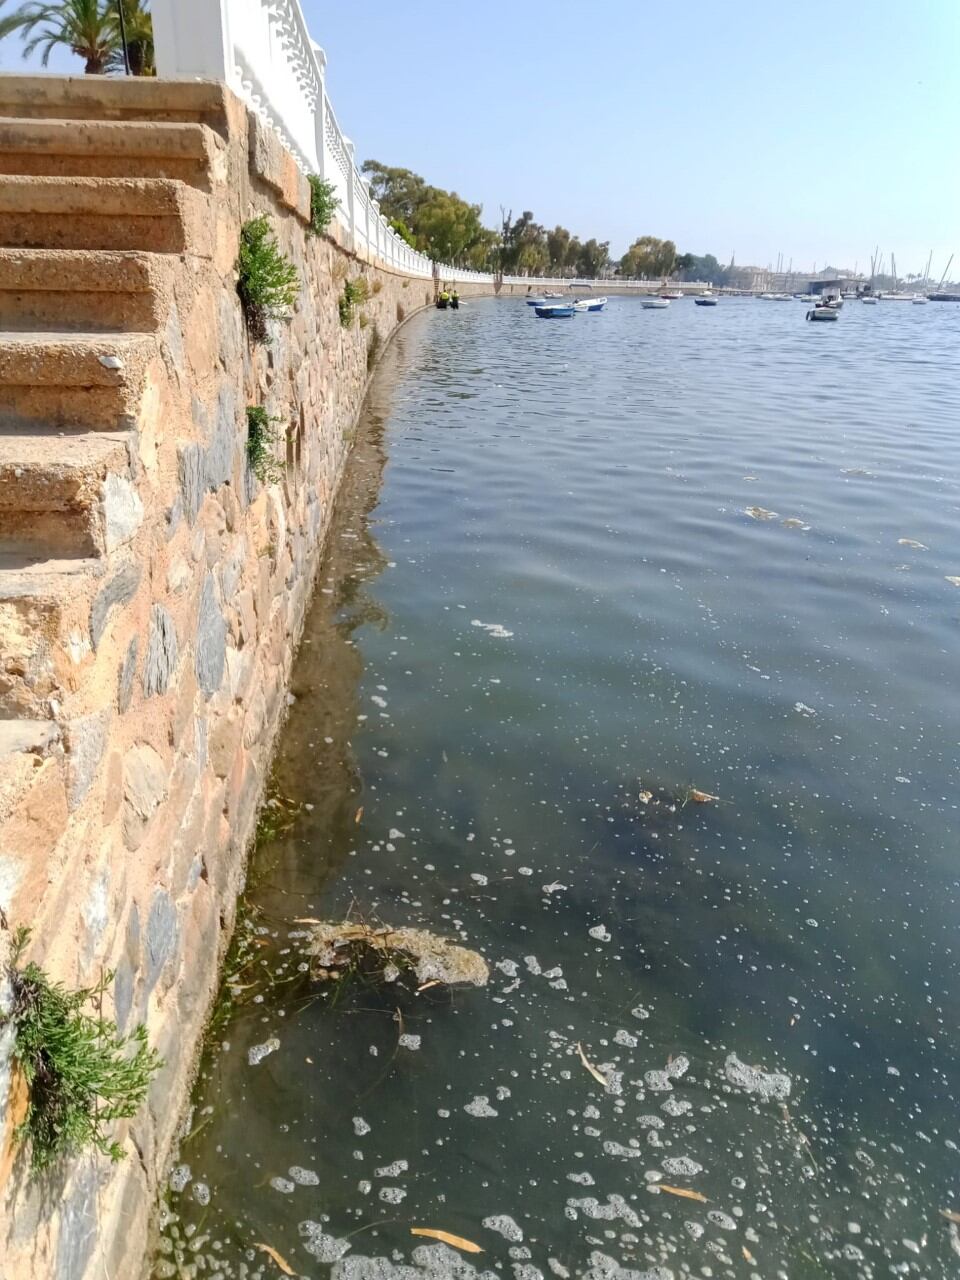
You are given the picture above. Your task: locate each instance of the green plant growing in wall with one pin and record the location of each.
(81, 1073)
(267, 283)
(261, 436)
(323, 203)
(355, 294)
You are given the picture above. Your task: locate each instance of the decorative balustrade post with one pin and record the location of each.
(192, 38)
(321, 113)
(351, 192)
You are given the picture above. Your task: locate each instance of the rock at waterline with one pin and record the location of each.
(335, 945)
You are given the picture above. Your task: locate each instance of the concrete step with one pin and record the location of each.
(63, 379)
(54, 499)
(104, 98)
(158, 215)
(79, 289)
(191, 153)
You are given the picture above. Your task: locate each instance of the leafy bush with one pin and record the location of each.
(261, 436)
(355, 294)
(323, 203)
(80, 1073)
(268, 284)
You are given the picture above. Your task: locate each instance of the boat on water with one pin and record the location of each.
(943, 297)
(899, 297)
(553, 295)
(671, 297)
(706, 301)
(654, 304)
(535, 302)
(590, 304)
(556, 311)
(869, 299)
(823, 313)
(775, 297)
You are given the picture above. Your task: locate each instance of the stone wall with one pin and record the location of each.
(142, 694)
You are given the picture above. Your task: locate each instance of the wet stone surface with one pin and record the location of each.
(685, 778)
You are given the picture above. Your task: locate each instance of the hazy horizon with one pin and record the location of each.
(751, 130)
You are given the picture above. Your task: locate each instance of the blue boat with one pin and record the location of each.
(558, 311)
(590, 304)
(535, 302)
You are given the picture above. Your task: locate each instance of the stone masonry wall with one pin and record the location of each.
(124, 817)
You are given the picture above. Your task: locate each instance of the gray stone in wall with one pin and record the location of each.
(85, 740)
(218, 464)
(161, 936)
(78, 1224)
(127, 968)
(211, 644)
(128, 670)
(162, 652)
(122, 510)
(190, 467)
(120, 590)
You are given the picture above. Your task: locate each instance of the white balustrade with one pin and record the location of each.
(263, 51)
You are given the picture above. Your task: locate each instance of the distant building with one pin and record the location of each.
(762, 280)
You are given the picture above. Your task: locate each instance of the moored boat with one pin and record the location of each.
(823, 313)
(654, 304)
(706, 302)
(535, 302)
(671, 297)
(556, 311)
(775, 297)
(590, 304)
(943, 297)
(869, 299)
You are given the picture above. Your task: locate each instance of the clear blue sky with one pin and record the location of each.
(816, 129)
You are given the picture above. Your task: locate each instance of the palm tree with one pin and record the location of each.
(85, 27)
(138, 28)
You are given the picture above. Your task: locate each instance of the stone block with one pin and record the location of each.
(162, 652)
(160, 937)
(118, 591)
(85, 740)
(190, 468)
(225, 739)
(184, 706)
(211, 640)
(218, 463)
(112, 787)
(128, 669)
(127, 968)
(122, 510)
(144, 787)
(77, 1212)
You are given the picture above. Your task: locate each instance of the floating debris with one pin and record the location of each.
(701, 797)
(495, 629)
(912, 542)
(773, 1084)
(257, 1052)
(687, 1193)
(281, 1262)
(794, 522)
(340, 947)
(760, 513)
(597, 1075)
(954, 582)
(447, 1237)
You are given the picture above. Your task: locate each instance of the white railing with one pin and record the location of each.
(263, 51)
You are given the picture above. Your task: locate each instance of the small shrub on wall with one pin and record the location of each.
(267, 282)
(323, 204)
(262, 435)
(355, 294)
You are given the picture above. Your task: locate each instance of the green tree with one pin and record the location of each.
(446, 226)
(592, 259)
(399, 192)
(138, 28)
(649, 257)
(85, 27)
(403, 231)
(558, 247)
(525, 249)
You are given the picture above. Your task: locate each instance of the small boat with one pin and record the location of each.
(590, 304)
(919, 302)
(706, 301)
(869, 300)
(654, 304)
(835, 304)
(535, 302)
(943, 297)
(823, 313)
(553, 295)
(558, 311)
(671, 297)
(442, 304)
(776, 297)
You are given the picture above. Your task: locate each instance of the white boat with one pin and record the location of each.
(671, 297)
(589, 304)
(900, 297)
(919, 301)
(869, 299)
(823, 313)
(654, 304)
(775, 297)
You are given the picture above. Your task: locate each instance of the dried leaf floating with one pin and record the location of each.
(445, 1237)
(950, 1215)
(747, 1254)
(760, 513)
(685, 1193)
(597, 1075)
(335, 946)
(280, 1261)
(912, 542)
(701, 797)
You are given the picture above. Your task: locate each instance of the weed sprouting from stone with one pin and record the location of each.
(261, 435)
(355, 294)
(268, 284)
(323, 203)
(81, 1074)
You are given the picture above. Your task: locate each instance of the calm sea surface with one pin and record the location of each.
(580, 569)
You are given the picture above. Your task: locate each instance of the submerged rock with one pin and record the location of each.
(431, 958)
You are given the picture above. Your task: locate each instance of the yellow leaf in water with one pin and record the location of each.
(281, 1262)
(747, 1254)
(954, 582)
(645, 797)
(597, 1075)
(359, 814)
(445, 1237)
(434, 982)
(683, 1192)
(701, 797)
(911, 542)
(950, 1215)
(306, 920)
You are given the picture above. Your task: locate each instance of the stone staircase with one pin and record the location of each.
(103, 185)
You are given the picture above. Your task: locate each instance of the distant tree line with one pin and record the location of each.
(449, 229)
